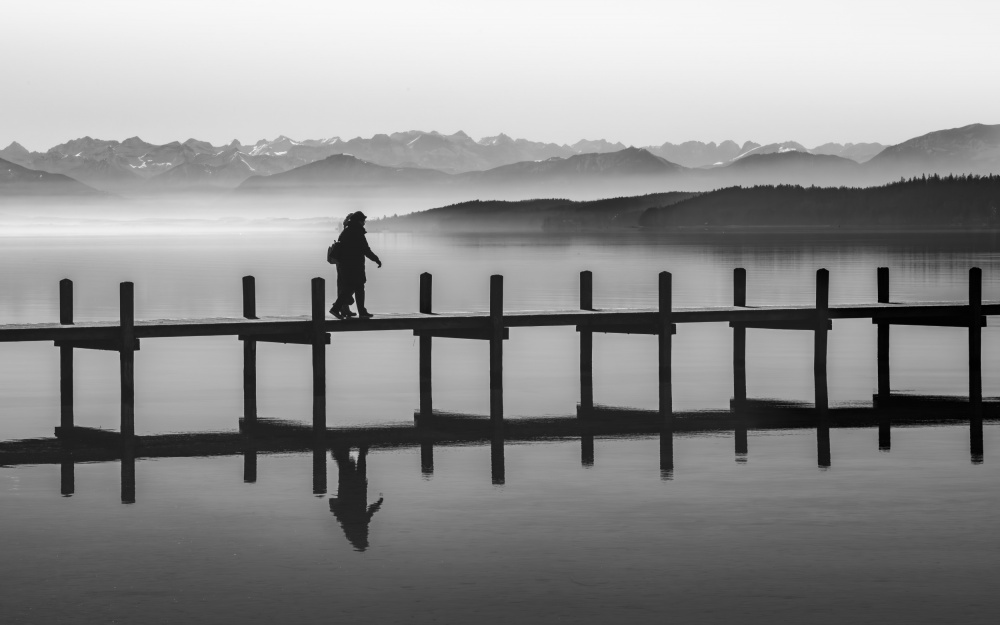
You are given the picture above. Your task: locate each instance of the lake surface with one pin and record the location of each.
(900, 536)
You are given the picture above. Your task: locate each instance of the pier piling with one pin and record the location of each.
(586, 344)
(740, 363)
(249, 358)
(127, 358)
(319, 339)
(496, 348)
(426, 398)
(66, 419)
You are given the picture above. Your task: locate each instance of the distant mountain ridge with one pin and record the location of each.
(130, 166)
(499, 164)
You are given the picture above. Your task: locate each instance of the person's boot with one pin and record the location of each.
(337, 311)
(364, 314)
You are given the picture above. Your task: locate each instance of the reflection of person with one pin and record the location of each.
(350, 506)
(351, 254)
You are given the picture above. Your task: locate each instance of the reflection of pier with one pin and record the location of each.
(435, 428)
(443, 429)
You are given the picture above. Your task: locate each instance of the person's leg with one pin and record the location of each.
(359, 295)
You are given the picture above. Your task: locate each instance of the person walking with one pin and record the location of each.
(351, 253)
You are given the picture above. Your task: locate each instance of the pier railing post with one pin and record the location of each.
(249, 358)
(819, 366)
(883, 337)
(496, 348)
(665, 336)
(882, 361)
(976, 364)
(426, 398)
(127, 358)
(319, 356)
(586, 344)
(66, 418)
(740, 362)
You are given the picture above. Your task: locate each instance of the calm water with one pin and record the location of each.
(892, 537)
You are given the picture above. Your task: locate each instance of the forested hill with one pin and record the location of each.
(529, 215)
(926, 203)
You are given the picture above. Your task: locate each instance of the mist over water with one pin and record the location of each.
(769, 538)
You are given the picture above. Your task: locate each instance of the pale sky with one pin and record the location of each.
(639, 72)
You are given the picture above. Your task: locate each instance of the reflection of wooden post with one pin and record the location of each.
(976, 364)
(586, 345)
(127, 358)
(66, 359)
(426, 401)
(319, 469)
(496, 348)
(67, 476)
(249, 460)
(882, 358)
(319, 356)
(497, 468)
(249, 358)
(740, 362)
(587, 449)
(128, 472)
(666, 452)
(427, 458)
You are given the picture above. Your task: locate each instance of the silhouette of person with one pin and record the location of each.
(353, 250)
(350, 506)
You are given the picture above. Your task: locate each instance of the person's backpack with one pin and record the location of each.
(333, 253)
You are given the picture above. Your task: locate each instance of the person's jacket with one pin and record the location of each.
(354, 248)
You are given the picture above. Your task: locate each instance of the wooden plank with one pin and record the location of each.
(956, 321)
(484, 334)
(111, 345)
(781, 325)
(288, 339)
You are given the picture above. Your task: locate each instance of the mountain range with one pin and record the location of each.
(500, 166)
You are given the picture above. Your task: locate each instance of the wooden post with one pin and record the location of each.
(665, 375)
(975, 364)
(250, 361)
(426, 398)
(496, 349)
(127, 358)
(883, 337)
(820, 341)
(319, 469)
(128, 472)
(975, 342)
(319, 356)
(740, 362)
(66, 360)
(819, 367)
(427, 458)
(665, 345)
(587, 347)
(67, 476)
(882, 359)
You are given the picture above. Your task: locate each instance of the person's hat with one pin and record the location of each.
(359, 215)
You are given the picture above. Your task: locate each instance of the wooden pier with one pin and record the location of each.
(314, 330)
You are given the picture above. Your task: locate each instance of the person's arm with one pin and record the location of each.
(370, 254)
